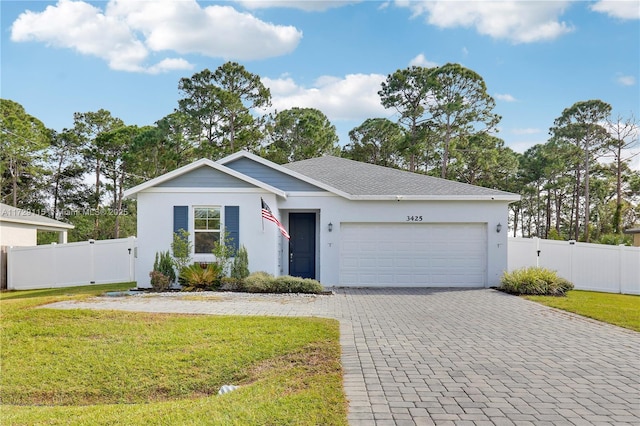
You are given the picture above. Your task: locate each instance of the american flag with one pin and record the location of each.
(268, 214)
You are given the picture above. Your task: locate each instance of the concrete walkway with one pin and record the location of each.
(448, 356)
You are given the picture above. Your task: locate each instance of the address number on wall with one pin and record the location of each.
(414, 218)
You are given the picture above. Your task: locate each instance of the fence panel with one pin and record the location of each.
(67, 265)
(630, 270)
(597, 267)
(71, 264)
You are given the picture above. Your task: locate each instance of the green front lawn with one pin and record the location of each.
(107, 367)
(618, 309)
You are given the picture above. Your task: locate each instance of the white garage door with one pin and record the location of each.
(413, 254)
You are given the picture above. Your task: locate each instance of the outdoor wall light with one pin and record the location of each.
(498, 227)
(330, 227)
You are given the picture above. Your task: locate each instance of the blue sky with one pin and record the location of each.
(537, 57)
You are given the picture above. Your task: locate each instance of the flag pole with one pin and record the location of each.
(261, 216)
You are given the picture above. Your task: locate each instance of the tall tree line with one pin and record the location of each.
(445, 127)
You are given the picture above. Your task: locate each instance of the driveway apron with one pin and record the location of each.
(451, 356)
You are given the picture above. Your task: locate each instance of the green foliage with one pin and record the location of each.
(615, 239)
(219, 106)
(288, 369)
(195, 277)
(259, 282)
(159, 281)
(376, 141)
(289, 284)
(164, 263)
(23, 140)
(240, 267)
(224, 252)
(232, 284)
(538, 281)
(262, 282)
(554, 235)
(181, 247)
(301, 133)
(617, 309)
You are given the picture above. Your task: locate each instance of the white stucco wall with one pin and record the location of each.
(17, 235)
(337, 210)
(155, 226)
(267, 248)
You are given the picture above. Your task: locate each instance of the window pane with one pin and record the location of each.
(214, 224)
(204, 241)
(213, 213)
(200, 223)
(200, 213)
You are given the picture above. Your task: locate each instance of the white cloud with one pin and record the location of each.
(167, 65)
(306, 5)
(422, 61)
(505, 97)
(629, 9)
(127, 33)
(626, 80)
(353, 97)
(517, 21)
(526, 131)
(522, 146)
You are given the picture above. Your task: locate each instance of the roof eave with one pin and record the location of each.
(501, 197)
(39, 225)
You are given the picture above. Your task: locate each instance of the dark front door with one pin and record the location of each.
(302, 245)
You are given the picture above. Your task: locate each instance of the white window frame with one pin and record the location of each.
(196, 230)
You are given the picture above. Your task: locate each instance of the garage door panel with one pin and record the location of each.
(426, 254)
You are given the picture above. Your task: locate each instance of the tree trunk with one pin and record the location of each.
(586, 196)
(617, 218)
(576, 198)
(96, 222)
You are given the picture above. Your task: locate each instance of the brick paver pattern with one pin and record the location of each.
(418, 356)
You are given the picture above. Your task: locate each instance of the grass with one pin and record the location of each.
(105, 367)
(619, 309)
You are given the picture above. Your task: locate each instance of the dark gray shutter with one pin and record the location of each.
(180, 218)
(232, 224)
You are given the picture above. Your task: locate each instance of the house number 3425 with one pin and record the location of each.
(414, 218)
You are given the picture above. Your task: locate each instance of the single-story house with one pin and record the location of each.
(350, 223)
(19, 228)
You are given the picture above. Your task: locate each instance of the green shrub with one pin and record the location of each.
(196, 278)
(289, 284)
(615, 239)
(223, 253)
(182, 248)
(262, 282)
(539, 281)
(232, 284)
(159, 281)
(259, 282)
(240, 267)
(164, 264)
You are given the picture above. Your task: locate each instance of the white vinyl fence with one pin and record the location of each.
(597, 267)
(73, 264)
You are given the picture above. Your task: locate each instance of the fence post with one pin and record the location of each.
(572, 244)
(132, 250)
(92, 260)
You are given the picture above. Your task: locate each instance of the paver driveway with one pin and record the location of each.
(449, 356)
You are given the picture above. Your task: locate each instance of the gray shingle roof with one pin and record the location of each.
(363, 180)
